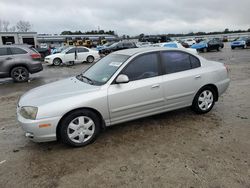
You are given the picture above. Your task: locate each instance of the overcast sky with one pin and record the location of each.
(129, 16)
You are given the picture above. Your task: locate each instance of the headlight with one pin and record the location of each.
(28, 112)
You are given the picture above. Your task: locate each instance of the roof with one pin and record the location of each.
(133, 51)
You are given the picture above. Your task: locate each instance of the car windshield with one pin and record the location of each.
(102, 71)
(240, 39)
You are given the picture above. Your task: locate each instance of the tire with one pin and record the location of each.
(57, 61)
(204, 100)
(19, 74)
(90, 59)
(204, 50)
(74, 130)
(232, 48)
(219, 49)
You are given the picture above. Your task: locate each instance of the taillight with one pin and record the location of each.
(35, 56)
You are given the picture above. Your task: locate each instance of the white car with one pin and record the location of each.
(73, 54)
(190, 42)
(175, 44)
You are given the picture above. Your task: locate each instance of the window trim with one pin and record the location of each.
(137, 56)
(163, 65)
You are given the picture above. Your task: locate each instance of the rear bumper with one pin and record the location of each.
(37, 67)
(222, 86)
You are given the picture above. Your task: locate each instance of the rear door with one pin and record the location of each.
(182, 78)
(82, 54)
(142, 95)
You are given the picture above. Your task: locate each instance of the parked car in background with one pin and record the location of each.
(208, 45)
(18, 61)
(241, 42)
(43, 52)
(118, 46)
(101, 47)
(189, 41)
(73, 55)
(178, 45)
(123, 86)
(143, 44)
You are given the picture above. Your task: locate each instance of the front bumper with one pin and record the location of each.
(40, 133)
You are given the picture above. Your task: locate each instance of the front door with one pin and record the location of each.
(142, 95)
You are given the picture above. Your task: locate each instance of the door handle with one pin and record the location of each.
(8, 58)
(155, 86)
(197, 76)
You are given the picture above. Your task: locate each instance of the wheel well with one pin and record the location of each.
(90, 109)
(21, 65)
(57, 58)
(214, 88)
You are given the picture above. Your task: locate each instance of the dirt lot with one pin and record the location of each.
(175, 149)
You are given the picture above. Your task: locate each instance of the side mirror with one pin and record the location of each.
(122, 79)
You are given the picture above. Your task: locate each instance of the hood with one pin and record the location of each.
(199, 45)
(54, 55)
(56, 91)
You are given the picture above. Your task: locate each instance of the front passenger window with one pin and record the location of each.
(144, 66)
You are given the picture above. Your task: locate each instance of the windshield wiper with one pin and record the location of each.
(81, 77)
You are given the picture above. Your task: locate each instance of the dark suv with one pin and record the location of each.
(117, 46)
(18, 62)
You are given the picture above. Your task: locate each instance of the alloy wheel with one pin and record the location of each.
(20, 74)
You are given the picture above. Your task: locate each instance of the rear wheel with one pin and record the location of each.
(204, 50)
(90, 59)
(80, 128)
(204, 100)
(219, 49)
(57, 61)
(19, 74)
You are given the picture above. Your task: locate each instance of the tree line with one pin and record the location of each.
(226, 31)
(21, 26)
(110, 32)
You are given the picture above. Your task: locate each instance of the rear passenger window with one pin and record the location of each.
(195, 62)
(144, 66)
(3, 51)
(16, 51)
(176, 61)
(80, 50)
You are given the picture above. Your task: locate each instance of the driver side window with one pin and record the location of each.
(71, 51)
(144, 66)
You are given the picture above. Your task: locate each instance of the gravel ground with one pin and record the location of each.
(174, 149)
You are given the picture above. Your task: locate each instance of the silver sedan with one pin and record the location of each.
(122, 86)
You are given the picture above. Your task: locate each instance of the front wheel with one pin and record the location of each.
(205, 50)
(57, 62)
(80, 128)
(19, 74)
(204, 100)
